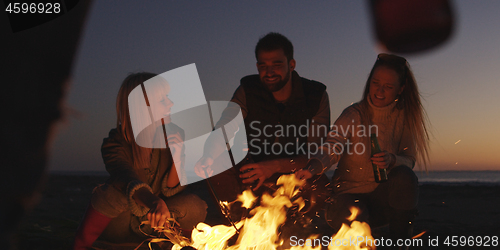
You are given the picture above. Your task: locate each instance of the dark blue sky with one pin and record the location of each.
(333, 44)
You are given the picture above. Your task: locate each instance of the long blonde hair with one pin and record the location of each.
(141, 155)
(415, 117)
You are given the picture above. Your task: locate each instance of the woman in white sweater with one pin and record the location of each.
(390, 109)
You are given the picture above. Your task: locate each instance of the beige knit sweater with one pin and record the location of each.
(348, 143)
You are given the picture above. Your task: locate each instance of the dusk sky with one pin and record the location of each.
(334, 44)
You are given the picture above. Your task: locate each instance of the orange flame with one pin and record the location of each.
(260, 231)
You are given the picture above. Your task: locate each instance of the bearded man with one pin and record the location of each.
(285, 117)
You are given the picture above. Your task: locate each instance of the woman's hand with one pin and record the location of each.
(176, 144)
(202, 166)
(158, 213)
(158, 210)
(303, 174)
(384, 159)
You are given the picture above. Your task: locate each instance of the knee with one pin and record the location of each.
(109, 201)
(403, 176)
(404, 189)
(188, 209)
(197, 206)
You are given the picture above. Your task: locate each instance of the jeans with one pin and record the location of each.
(397, 196)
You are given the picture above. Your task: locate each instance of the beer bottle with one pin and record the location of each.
(379, 173)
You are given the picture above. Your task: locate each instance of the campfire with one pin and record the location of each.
(261, 230)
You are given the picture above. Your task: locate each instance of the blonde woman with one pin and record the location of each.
(143, 183)
(390, 109)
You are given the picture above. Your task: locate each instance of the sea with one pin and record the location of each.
(473, 178)
(448, 178)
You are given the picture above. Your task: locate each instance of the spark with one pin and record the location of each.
(457, 142)
(418, 235)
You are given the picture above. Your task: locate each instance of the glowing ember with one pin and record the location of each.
(419, 235)
(261, 230)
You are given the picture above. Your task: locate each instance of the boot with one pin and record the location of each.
(401, 227)
(92, 225)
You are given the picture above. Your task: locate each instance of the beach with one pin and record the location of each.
(444, 211)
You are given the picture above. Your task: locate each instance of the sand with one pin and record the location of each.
(444, 211)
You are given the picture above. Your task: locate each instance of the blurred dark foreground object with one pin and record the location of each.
(35, 68)
(411, 26)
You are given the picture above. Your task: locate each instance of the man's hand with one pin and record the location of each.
(384, 159)
(202, 167)
(303, 174)
(258, 171)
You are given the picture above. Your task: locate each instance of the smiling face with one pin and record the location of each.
(274, 69)
(384, 86)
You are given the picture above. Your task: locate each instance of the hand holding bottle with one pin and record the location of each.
(380, 173)
(383, 159)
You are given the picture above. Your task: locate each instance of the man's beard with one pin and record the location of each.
(273, 87)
